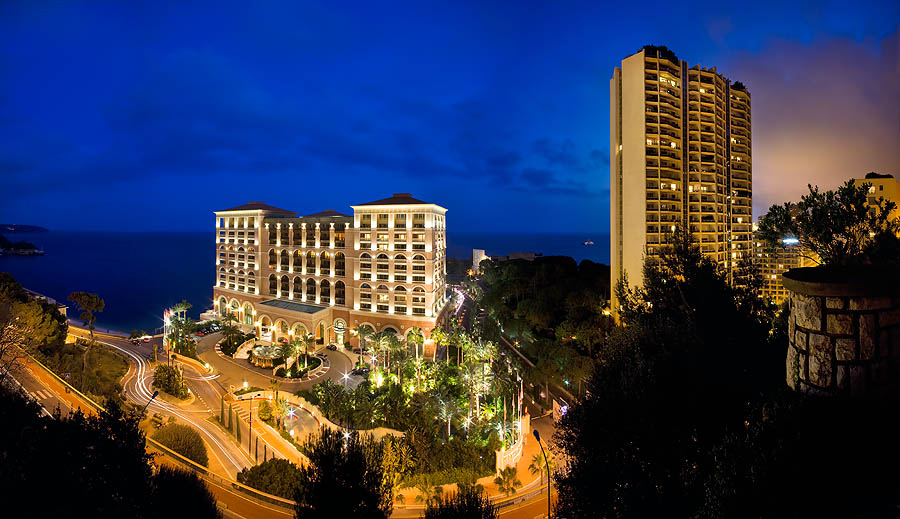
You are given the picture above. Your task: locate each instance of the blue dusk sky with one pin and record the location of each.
(115, 116)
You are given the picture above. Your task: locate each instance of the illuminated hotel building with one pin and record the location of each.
(681, 156)
(330, 273)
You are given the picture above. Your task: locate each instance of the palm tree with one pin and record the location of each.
(416, 337)
(291, 350)
(440, 338)
(539, 466)
(429, 494)
(307, 340)
(507, 481)
(447, 410)
(364, 333)
(273, 385)
(230, 329)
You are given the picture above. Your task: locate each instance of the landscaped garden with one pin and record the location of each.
(455, 408)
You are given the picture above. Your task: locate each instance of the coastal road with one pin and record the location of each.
(27, 379)
(137, 383)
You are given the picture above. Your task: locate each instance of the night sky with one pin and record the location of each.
(116, 117)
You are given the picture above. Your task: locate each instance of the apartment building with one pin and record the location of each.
(882, 186)
(330, 273)
(680, 141)
(774, 262)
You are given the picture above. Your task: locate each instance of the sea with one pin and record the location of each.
(139, 274)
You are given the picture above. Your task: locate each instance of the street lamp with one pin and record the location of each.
(537, 435)
(155, 393)
(245, 384)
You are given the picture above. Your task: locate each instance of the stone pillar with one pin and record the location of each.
(844, 334)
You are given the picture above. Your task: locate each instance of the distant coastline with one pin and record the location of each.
(17, 228)
(19, 248)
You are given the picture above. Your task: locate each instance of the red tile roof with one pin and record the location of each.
(326, 213)
(397, 199)
(259, 206)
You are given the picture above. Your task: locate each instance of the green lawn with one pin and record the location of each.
(104, 372)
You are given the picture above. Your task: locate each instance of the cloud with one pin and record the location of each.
(822, 113)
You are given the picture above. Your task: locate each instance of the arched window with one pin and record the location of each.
(382, 298)
(400, 257)
(418, 301)
(310, 262)
(365, 297)
(383, 265)
(340, 268)
(273, 284)
(285, 286)
(340, 297)
(325, 292)
(285, 260)
(365, 263)
(297, 293)
(400, 300)
(298, 261)
(325, 263)
(273, 259)
(248, 314)
(310, 289)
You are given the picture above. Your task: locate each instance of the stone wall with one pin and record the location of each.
(842, 344)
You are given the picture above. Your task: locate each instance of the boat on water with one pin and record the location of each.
(589, 242)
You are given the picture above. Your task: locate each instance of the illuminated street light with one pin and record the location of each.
(245, 384)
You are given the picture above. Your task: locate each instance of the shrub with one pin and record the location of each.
(169, 379)
(184, 440)
(275, 476)
(468, 502)
(264, 411)
(280, 372)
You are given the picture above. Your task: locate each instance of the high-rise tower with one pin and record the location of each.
(681, 156)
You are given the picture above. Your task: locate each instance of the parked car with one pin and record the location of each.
(199, 333)
(331, 347)
(357, 351)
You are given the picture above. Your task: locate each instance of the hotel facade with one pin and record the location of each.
(680, 144)
(328, 273)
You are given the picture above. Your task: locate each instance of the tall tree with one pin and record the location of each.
(24, 325)
(89, 304)
(344, 478)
